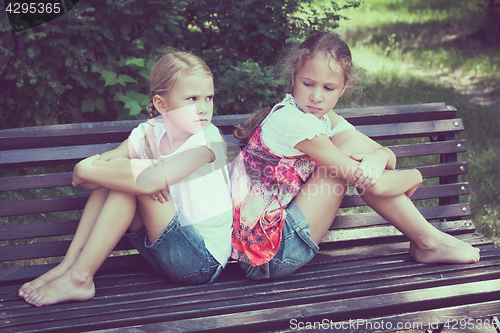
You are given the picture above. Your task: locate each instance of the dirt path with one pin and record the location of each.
(475, 88)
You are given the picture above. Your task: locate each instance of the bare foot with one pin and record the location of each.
(444, 249)
(62, 289)
(54, 273)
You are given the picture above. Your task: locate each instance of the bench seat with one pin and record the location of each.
(363, 279)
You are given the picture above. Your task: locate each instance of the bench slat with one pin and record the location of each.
(72, 154)
(422, 193)
(36, 230)
(163, 302)
(29, 182)
(64, 179)
(429, 148)
(49, 229)
(76, 202)
(261, 311)
(372, 235)
(46, 250)
(412, 130)
(117, 131)
(51, 156)
(45, 205)
(450, 212)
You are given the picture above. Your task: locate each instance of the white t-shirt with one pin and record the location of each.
(287, 126)
(203, 198)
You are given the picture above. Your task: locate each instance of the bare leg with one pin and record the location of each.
(87, 222)
(319, 200)
(428, 244)
(77, 282)
(396, 182)
(156, 216)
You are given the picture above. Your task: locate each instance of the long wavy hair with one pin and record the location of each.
(321, 42)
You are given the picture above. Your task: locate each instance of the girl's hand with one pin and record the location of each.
(80, 168)
(161, 196)
(370, 168)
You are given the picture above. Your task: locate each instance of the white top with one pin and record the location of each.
(287, 126)
(203, 198)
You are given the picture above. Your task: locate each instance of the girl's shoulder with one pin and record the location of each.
(334, 118)
(292, 119)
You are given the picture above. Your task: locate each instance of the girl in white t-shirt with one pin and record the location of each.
(289, 181)
(167, 184)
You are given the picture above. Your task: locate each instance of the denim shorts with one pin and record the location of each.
(296, 249)
(179, 252)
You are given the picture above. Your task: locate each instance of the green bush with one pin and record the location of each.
(93, 63)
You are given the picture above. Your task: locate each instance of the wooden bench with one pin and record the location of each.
(362, 280)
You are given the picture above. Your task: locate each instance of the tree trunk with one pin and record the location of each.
(490, 31)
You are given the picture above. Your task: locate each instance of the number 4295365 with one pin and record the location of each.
(33, 8)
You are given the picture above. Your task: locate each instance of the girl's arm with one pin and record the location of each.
(323, 151)
(391, 182)
(121, 151)
(379, 153)
(118, 175)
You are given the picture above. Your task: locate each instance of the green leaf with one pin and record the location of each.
(122, 79)
(87, 105)
(99, 103)
(134, 107)
(135, 61)
(109, 77)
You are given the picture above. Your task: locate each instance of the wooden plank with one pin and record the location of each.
(369, 235)
(19, 275)
(72, 154)
(173, 301)
(422, 193)
(117, 131)
(470, 317)
(64, 179)
(29, 182)
(56, 155)
(44, 205)
(46, 250)
(163, 303)
(337, 310)
(412, 130)
(36, 230)
(442, 169)
(429, 148)
(397, 113)
(450, 212)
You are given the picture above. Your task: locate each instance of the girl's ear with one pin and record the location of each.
(293, 80)
(159, 103)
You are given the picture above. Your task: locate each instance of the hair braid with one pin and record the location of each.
(151, 109)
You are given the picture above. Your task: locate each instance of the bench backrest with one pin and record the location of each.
(425, 135)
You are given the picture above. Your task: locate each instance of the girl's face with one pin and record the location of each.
(189, 105)
(318, 85)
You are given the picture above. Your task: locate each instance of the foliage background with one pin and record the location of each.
(93, 63)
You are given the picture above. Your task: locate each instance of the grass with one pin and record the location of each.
(422, 51)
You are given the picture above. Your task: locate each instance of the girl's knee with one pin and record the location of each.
(376, 190)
